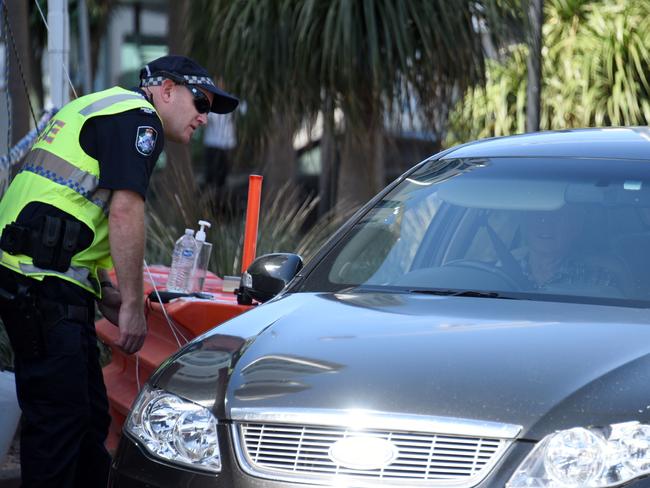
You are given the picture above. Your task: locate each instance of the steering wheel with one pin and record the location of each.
(515, 282)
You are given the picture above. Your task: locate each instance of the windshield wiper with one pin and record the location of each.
(463, 293)
(435, 291)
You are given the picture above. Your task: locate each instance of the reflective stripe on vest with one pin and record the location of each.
(107, 102)
(76, 273)
(60, 171)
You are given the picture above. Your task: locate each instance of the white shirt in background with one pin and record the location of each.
(220, 131)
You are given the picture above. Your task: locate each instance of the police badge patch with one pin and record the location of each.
(145, 140)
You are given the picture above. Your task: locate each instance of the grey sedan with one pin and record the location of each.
(482, 322)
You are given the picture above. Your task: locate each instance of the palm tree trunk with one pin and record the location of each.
(533, 92)
(177, 39)
(37, 80)
(84, 46)
(327, 178)
(280, 167)
(19, 68)
(361, 173)
(101, 18)
(178, 155)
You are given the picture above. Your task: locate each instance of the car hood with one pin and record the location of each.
(540, 365)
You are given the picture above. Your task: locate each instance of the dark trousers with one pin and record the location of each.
(61, 393)
(217, 166)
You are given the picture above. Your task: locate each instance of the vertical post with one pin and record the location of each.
(5, 99)
(327, 178)
(533, 92)
(252, 220)
(58, 45)
(84, 44)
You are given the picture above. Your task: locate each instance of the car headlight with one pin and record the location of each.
(175, 430)
(587, 457)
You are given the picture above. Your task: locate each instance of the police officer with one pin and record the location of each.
(74, 210)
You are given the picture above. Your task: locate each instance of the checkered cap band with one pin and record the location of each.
(189, 79)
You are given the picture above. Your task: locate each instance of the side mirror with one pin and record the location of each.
(267, 276)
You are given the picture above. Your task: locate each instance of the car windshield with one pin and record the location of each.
(569, 229)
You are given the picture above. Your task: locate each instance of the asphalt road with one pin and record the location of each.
(10, 468)
(12, 482)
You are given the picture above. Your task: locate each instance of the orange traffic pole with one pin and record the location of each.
(252, 220)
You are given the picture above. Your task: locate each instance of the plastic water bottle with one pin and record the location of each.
(183, 259)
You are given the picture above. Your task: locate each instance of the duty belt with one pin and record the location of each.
(50, 310)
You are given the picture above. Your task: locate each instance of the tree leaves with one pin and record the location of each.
(595, 73)
(366, 55)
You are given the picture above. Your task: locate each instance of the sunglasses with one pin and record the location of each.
(201, 101)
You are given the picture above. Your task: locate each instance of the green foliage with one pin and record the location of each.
(287, 56)
(498, 108)
(596, 60)
(367, 60)
(283, 224)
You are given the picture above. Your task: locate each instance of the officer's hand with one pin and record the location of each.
(110, 303)
(133, 329)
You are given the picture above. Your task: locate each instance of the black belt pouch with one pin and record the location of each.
(47, 241)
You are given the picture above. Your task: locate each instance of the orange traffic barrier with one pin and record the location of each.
(126, 374)
(252, 220)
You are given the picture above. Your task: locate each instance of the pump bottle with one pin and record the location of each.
(202, 259)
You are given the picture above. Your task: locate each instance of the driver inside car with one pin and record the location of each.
(555, 255)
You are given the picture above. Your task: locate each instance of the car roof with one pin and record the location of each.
(620, 143)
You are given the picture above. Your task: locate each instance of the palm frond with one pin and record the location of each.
(283, 227)
(596, 60)
(287, 56)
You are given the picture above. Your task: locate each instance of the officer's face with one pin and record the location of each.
(181, 117)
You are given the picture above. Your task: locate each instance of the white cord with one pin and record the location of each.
(172, 325)
(65, 70)
(173, 328)
(137, 370)
(42, 16)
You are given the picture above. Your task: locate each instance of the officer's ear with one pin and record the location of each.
(166, 90)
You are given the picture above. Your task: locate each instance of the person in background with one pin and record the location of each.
(219, 140)
(74, 210)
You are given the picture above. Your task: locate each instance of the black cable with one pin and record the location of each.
(20, 66)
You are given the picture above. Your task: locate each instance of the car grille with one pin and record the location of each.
(302, 453)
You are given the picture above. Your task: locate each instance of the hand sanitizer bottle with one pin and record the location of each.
(203, 257)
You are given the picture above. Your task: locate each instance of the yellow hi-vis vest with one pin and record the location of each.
(58, 172)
